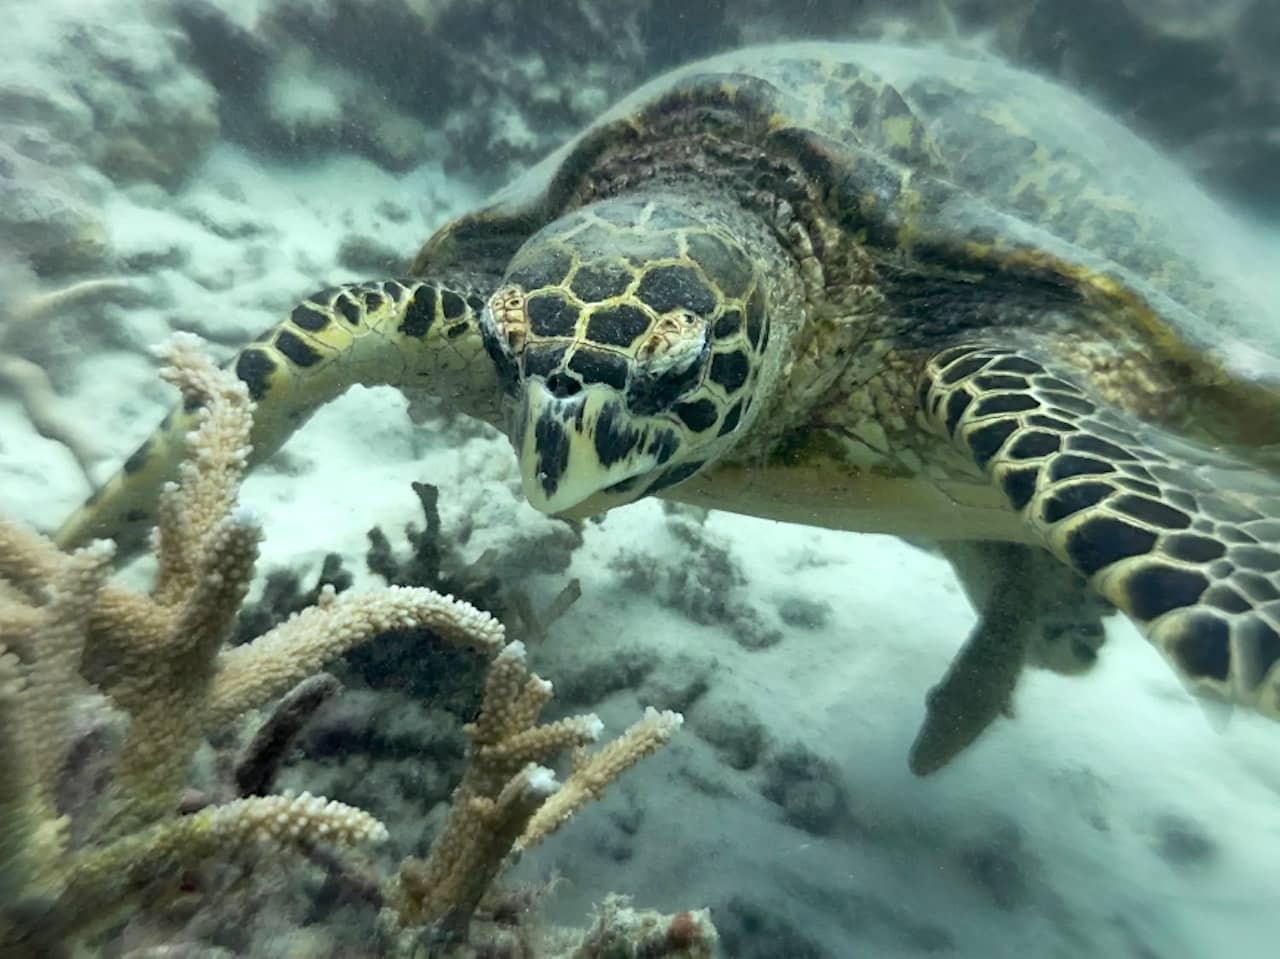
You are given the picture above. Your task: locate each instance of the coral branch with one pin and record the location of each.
(594, 771)
(24, 308)
(508, 801)
(269, 665)
(260, 761)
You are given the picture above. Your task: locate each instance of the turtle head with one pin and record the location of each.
(628, 337)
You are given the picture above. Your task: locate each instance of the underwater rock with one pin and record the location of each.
(676, 683)
(751, 930)
(751, 632)
(591, 671)
(368, 256)
(151, 254)
(732, 727)
(386, 78)
(806, 786)
(1002, 866)
(1183, 843)
(705, 587)
(1187, 73)
(30, 110)
(233, 58)
(803, 613)
(227, 217)
(501, 107)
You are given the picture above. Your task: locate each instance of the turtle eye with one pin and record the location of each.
(670, 364)
(674, 342)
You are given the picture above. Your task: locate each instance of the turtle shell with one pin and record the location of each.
(940, 163)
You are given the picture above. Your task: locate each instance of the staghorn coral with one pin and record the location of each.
(158, 658)
(69, 639)
(508, 801)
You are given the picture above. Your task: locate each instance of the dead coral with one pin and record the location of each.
(24, 307)
(436, 561)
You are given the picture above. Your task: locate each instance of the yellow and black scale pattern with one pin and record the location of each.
(398, 332)
(1196, 566)
(576, 312)
(375, 331)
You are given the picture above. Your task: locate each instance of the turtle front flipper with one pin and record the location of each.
(1187, 545)
(412, 334)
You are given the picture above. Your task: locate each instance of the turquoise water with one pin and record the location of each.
(207, 166)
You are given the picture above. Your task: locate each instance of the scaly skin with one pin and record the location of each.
(1190, 550)
(410, 334)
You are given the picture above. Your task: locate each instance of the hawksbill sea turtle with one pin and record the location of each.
(864, 287)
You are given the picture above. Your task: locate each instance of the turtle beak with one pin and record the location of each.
(573, 447)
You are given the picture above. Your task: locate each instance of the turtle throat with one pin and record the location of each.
(574, 448)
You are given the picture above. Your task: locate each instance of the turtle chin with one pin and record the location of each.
(584, 454)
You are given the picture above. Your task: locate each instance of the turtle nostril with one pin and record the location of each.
(563, 386)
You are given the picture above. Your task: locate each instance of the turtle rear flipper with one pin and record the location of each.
(1192, 561)
(1031, 611)
(979, 684)
(413, 333)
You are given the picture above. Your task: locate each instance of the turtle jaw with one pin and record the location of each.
(578, 453)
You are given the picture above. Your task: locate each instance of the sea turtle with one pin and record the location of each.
(858, 286)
